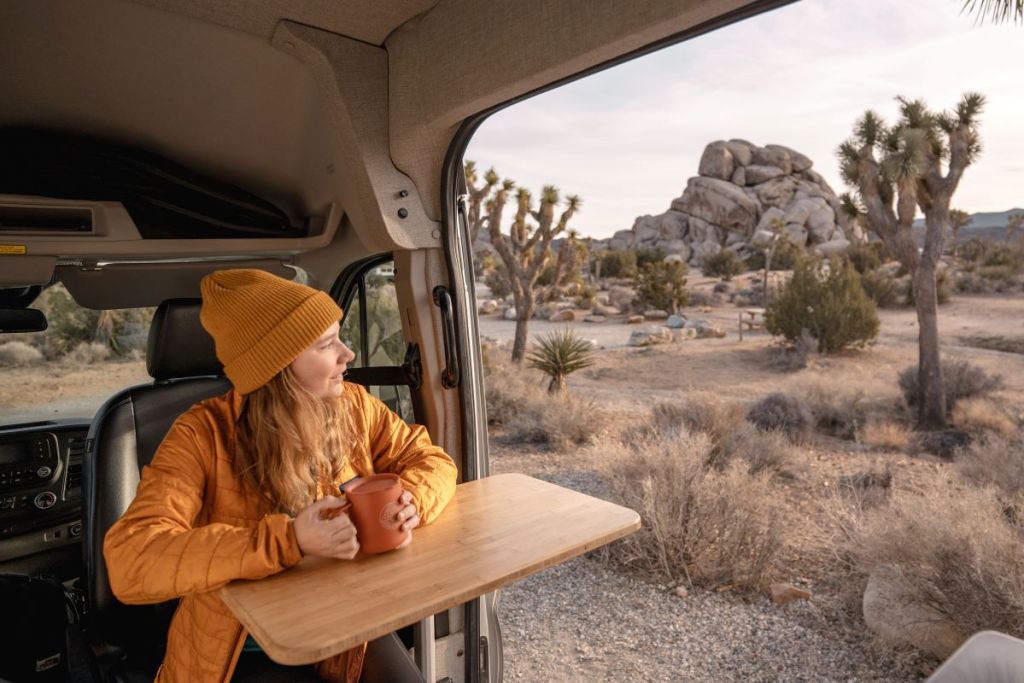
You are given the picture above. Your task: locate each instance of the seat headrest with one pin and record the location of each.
(178, 344)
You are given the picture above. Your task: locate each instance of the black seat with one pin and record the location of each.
(123, 438)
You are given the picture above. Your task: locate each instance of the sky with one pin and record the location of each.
(628, 138)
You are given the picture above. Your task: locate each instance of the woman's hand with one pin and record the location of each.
(409, 516)
(334, 537)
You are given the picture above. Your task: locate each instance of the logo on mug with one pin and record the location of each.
(389, 518)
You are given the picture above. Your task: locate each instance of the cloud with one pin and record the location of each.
(628, 138)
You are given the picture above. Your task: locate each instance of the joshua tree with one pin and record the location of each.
(571, 256)
(998, 10)
(558, 355)
(477, 195)
(958, 219)
(1013, 225)
(895, 170)
(526, 249)
(768, 243)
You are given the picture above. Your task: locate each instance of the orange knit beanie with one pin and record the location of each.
(260, 322)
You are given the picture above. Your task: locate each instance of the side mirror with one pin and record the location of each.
(22, 320)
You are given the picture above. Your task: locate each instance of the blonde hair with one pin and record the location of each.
(288, 440)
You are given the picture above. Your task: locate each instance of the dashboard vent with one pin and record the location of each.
(74, 475)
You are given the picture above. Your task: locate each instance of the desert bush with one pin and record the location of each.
(886, 436)
(18, 353)
(649, 255)
(863, 257)
(996, 461)
(787, 253)
(518, 403)
(586, 296)
(999, 277)
(836, 411)
(983, 416)
(731, 438)
(827, 300)
(957, 552)
(778, 412)
(662, 285)
(795, 356)
(618, 263)
(960, 380)
(723, 264)
(945, 443)
(700, 525)
(881, 288)
(497, 282)
(87, 353)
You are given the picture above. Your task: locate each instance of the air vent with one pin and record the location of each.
(46, 219)
(74, 475)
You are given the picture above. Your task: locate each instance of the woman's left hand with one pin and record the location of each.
(409, 515)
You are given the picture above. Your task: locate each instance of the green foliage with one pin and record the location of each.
(558, 354)
(618, 263)
(881, 287)
(586, 296)
(863, 257)
(787, 253)
(70, 325)
(662, 285)
(645, 256)
(724, 264)
(497, 281)
(826, 299)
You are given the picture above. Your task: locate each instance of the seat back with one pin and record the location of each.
(122, 439)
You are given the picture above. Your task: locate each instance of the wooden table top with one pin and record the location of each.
(494, 531)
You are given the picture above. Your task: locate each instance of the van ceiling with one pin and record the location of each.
(325, 107)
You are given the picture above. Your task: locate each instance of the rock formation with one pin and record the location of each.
(741, 188)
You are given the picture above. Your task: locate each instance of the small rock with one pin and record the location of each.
(648, 336)
(783, 593)
(655, 314)
(681, 592)
(594, 319)
(510, 313)
(634, 320)
(600, 309)
(675, 322)
(563, 317)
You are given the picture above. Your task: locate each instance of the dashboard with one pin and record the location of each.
(41, 496)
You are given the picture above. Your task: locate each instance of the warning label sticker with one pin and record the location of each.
(12, 249)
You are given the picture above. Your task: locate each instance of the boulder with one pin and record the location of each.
(634, 320)
(704, 329)
(835, 247)
(742, 151)
(621, 297)
(739, 176)
(773, 155)
(650, 335)
(510, 313)
(716, 161)
(775, 192)
(718, 202)
(563, 316)
(797, 233)
(673, 226)
(602, 309)
(898, 615)
(655, 314)
(487, 306)
(756, 174)
(675, 322)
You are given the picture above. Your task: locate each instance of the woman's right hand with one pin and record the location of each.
(335, 537)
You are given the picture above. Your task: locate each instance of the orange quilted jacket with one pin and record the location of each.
(194, 526)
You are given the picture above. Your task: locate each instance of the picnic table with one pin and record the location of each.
(751, 319)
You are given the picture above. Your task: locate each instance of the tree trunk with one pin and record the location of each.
(557, 385)
(932, 397)
(524, 311)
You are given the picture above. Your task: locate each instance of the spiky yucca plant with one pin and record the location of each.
(558, 355)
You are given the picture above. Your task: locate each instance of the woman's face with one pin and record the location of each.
(323, 363)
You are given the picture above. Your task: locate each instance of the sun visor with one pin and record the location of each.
(131, 285)
(18, 269)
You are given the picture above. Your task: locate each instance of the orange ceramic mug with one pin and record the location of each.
(373, 505)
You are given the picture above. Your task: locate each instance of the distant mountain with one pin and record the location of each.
(985, 224)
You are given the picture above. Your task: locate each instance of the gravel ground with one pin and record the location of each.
(584, 621)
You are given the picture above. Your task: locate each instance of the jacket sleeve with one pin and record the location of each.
(427, 472)
(155, 553)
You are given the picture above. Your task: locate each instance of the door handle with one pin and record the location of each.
(443, 300)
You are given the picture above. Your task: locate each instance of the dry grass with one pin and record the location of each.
(701, 525)
(836, 411)
(958, 552)
(886, 436)
(518, 402)
(961, 380)
(1008, 344)
(778, 412)
(996, 461)
(981, 416)
(18, 353)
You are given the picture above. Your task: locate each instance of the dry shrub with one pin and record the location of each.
(957, 551)
(700, 524)
(960, 380)
(1012, 344)
(18, 353)
(981, 415)
(778, 412)
(945, 443)
(836, 411)
(87, 353)
(886, 436)
(518, 402)
(998, 462)
(791, 357)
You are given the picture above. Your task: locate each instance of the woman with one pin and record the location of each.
(237, 487)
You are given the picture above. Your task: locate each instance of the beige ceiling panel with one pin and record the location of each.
(370, 22)
(458, 60)
(18, 270)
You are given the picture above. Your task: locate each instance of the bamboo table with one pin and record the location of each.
(494, 531)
